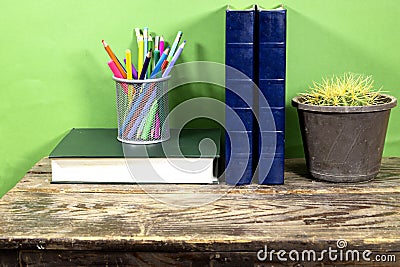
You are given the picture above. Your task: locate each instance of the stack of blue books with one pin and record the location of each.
(256, 48)
(239, 123)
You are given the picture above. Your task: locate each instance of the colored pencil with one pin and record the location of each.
(161, 45)
(145, 66)
(164, 65)
(149, 121)
(135, 109)
(156, 42)
(174, 46)
(172, 63)
(128, 57)
(141, 116)
(140, 54)
(134, 71)
(139, 131)
(114, 69)
(156, 53)
(115, 59)
(157, 68)
(157, 130)
(150, 47)
(117, 74)
(145, 41)
(128, 60)
(156, 57)
(138, 34)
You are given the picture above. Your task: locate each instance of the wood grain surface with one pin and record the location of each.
(183, 224)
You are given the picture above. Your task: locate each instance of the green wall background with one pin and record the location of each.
(54, 74)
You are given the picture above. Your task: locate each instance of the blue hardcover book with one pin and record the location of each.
(271, 100)
(239, 96)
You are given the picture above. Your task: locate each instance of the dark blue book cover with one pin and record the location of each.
(239, 96)
(271, 100)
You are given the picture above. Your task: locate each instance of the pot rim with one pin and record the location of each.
(296, 102)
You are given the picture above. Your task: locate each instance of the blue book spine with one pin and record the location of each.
(239, 95)
(271, 82)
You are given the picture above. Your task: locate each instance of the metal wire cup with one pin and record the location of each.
(142, 109)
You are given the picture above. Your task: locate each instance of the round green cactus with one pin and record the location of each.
(348, 89)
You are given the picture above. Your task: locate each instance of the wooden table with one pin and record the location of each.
(158, 225)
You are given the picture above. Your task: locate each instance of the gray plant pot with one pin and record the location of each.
(344, 144)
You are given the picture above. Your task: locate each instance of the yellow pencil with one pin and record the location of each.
(140, 54)
(128, 56)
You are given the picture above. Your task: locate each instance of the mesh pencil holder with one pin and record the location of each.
(142, 109)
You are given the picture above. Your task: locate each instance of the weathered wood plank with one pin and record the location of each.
(296, 182)
(8, 258)
(187, 224)
(111, 258)
(234, 218)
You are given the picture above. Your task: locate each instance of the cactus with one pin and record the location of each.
(348, 89)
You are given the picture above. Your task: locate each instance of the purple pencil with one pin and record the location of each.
(134, 71)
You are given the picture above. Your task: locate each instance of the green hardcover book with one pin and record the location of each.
(96, 156)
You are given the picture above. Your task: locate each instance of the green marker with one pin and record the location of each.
(150, 47)
(156, 53)
(156, 57)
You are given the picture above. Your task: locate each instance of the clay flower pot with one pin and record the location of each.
(344, 143)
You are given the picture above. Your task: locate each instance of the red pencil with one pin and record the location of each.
(164, 65)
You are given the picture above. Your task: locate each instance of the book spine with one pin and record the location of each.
(271, 82)
(239, 95)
